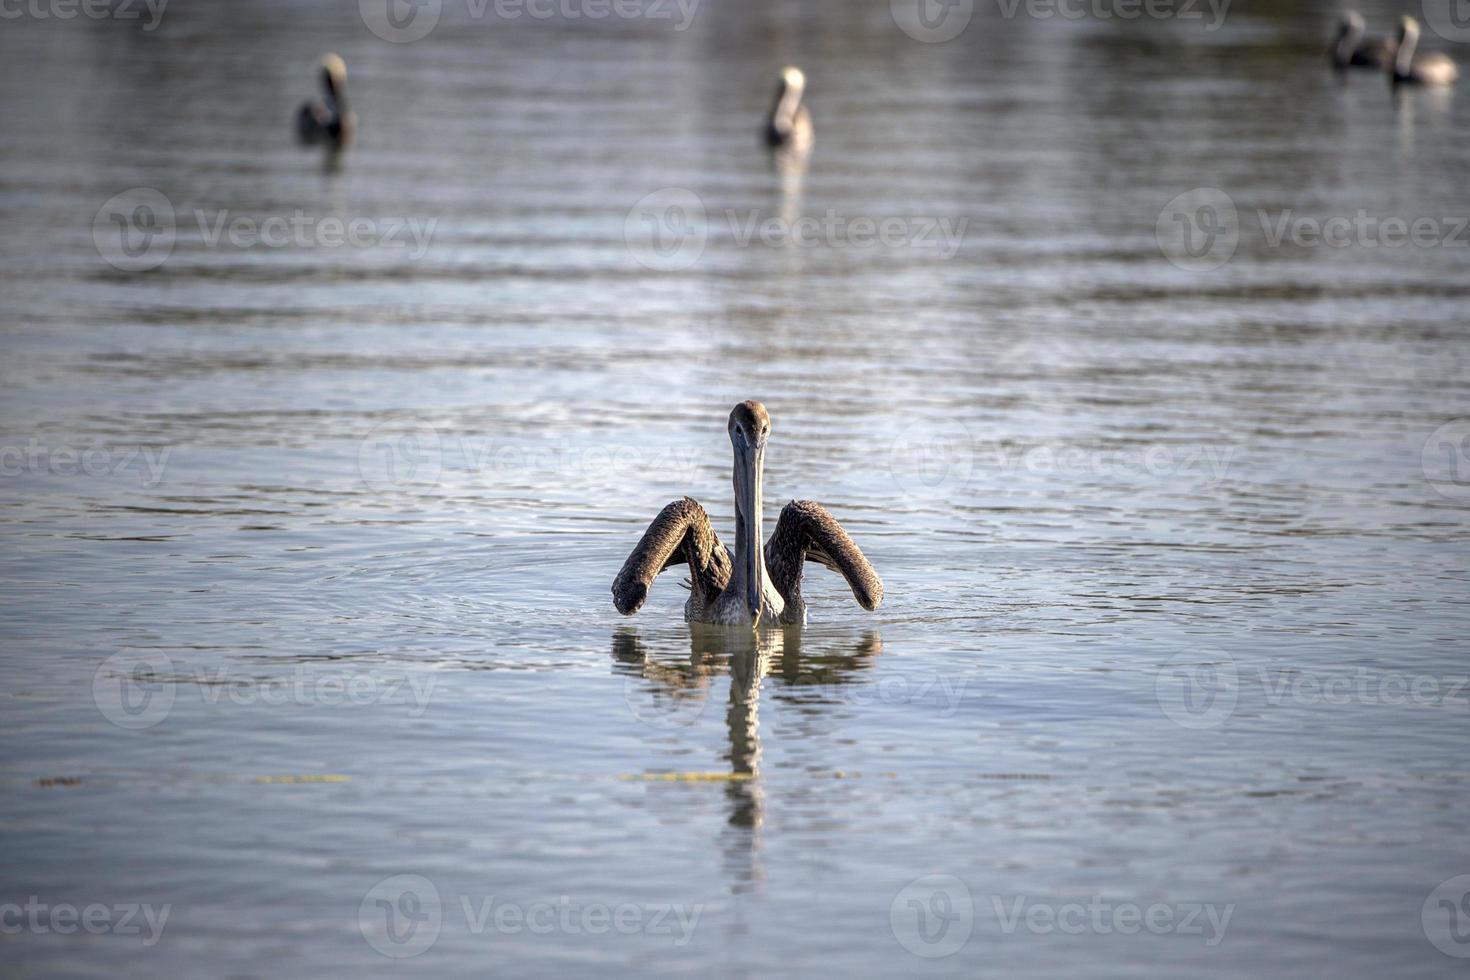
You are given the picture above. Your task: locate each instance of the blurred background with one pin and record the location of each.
(1129, 343)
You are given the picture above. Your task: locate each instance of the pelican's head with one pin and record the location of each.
(1408, 29)
(334, 73)
(750, 424)
(793, 79)
(1351, 22)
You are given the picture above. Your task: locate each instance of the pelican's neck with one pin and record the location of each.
(336, 92)
(1348, 38)
(783, 115)
(749, 577)
(1404, 60)
(748, 535)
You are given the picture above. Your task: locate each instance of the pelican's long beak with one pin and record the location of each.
(750, 461)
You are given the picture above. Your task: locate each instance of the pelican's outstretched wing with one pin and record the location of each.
(680, 534)
(806, 532)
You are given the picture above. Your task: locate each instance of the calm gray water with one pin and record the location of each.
(310, 663)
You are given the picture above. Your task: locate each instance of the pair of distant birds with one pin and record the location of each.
(1396, 56)
(330, 120)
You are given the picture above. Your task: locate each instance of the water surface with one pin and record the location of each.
(307, 547)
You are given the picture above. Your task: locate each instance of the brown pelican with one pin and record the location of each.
(789, 126)
(328, 120)
(1352, 50)
(750, 587)
(1424, 69)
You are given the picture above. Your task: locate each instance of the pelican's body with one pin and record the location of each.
(1352, 50)
(750, 585)
(329, 119)
(789, 126)
(1410, 68)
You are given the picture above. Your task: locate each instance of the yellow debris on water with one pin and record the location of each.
(308, 778)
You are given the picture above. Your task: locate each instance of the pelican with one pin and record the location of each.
(1425, 69)
(750, 587)
(1352, 50)
(328, 120)
(789, 126)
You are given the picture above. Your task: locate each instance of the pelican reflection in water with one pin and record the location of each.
(800, 670)
(750, 586)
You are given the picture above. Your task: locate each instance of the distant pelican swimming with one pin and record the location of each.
(1424, 69)
(789, 126)
(750, 587)
(1352, 50)
(330, 119)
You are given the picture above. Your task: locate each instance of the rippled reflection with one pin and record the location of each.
(749, 658)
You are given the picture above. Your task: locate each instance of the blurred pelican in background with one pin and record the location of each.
(1352, 50)
(789, 127)
(1410, 68)
(330, 119)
